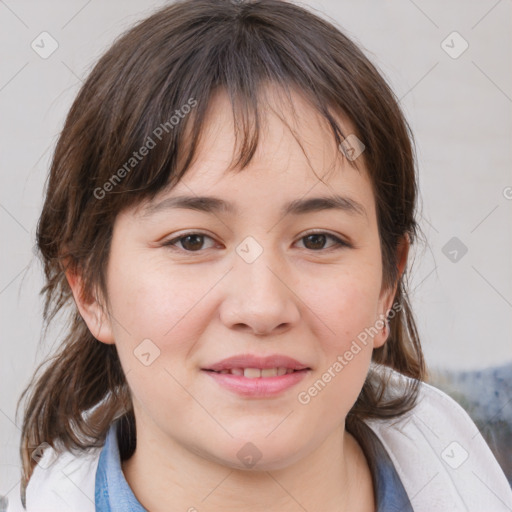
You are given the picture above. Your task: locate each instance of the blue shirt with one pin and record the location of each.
(113, 494)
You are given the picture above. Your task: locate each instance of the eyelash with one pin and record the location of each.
(338, 242)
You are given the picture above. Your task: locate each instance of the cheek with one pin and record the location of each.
(151, 296)
(158, 319)
(347, 305)
(329, 396)
(347, 312)
(170, 306)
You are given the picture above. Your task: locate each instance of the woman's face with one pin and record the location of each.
(250, 279)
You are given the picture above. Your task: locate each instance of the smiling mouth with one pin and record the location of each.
(255, 373)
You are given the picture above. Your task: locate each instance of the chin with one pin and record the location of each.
(260, 453)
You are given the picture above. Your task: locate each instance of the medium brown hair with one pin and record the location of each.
(180, 55)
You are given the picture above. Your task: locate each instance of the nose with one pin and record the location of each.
(259, 299)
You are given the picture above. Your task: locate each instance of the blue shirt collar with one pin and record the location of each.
(112, 492)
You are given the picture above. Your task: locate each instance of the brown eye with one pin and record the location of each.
(316, 241)
(192, 242)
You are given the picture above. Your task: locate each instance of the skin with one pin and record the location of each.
(304, 298)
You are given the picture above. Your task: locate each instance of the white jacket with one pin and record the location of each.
(441, 458)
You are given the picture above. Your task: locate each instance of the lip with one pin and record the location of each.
(259, 387)
(254, 361)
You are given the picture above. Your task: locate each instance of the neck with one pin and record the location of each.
(165, 476)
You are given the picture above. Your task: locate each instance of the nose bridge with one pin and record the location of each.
(258, 296)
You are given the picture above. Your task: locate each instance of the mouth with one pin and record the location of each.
(255, 366)
(257, 383)
(258, 373)
(255, 376)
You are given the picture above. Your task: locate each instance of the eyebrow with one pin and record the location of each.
(209, 204)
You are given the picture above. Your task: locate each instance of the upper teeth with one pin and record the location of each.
(253, 373)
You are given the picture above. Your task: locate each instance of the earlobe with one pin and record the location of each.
(382, 336)
(90, 310)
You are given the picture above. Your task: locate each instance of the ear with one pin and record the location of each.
(386, 300)
(90, 309)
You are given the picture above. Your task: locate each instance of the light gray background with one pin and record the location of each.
(459, 109)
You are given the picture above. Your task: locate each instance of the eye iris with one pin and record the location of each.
(318, 240)
(196, 244)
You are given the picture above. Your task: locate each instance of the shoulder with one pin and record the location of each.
(61, 481)
(441, 457)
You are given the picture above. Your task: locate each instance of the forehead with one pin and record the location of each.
(296, 158)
